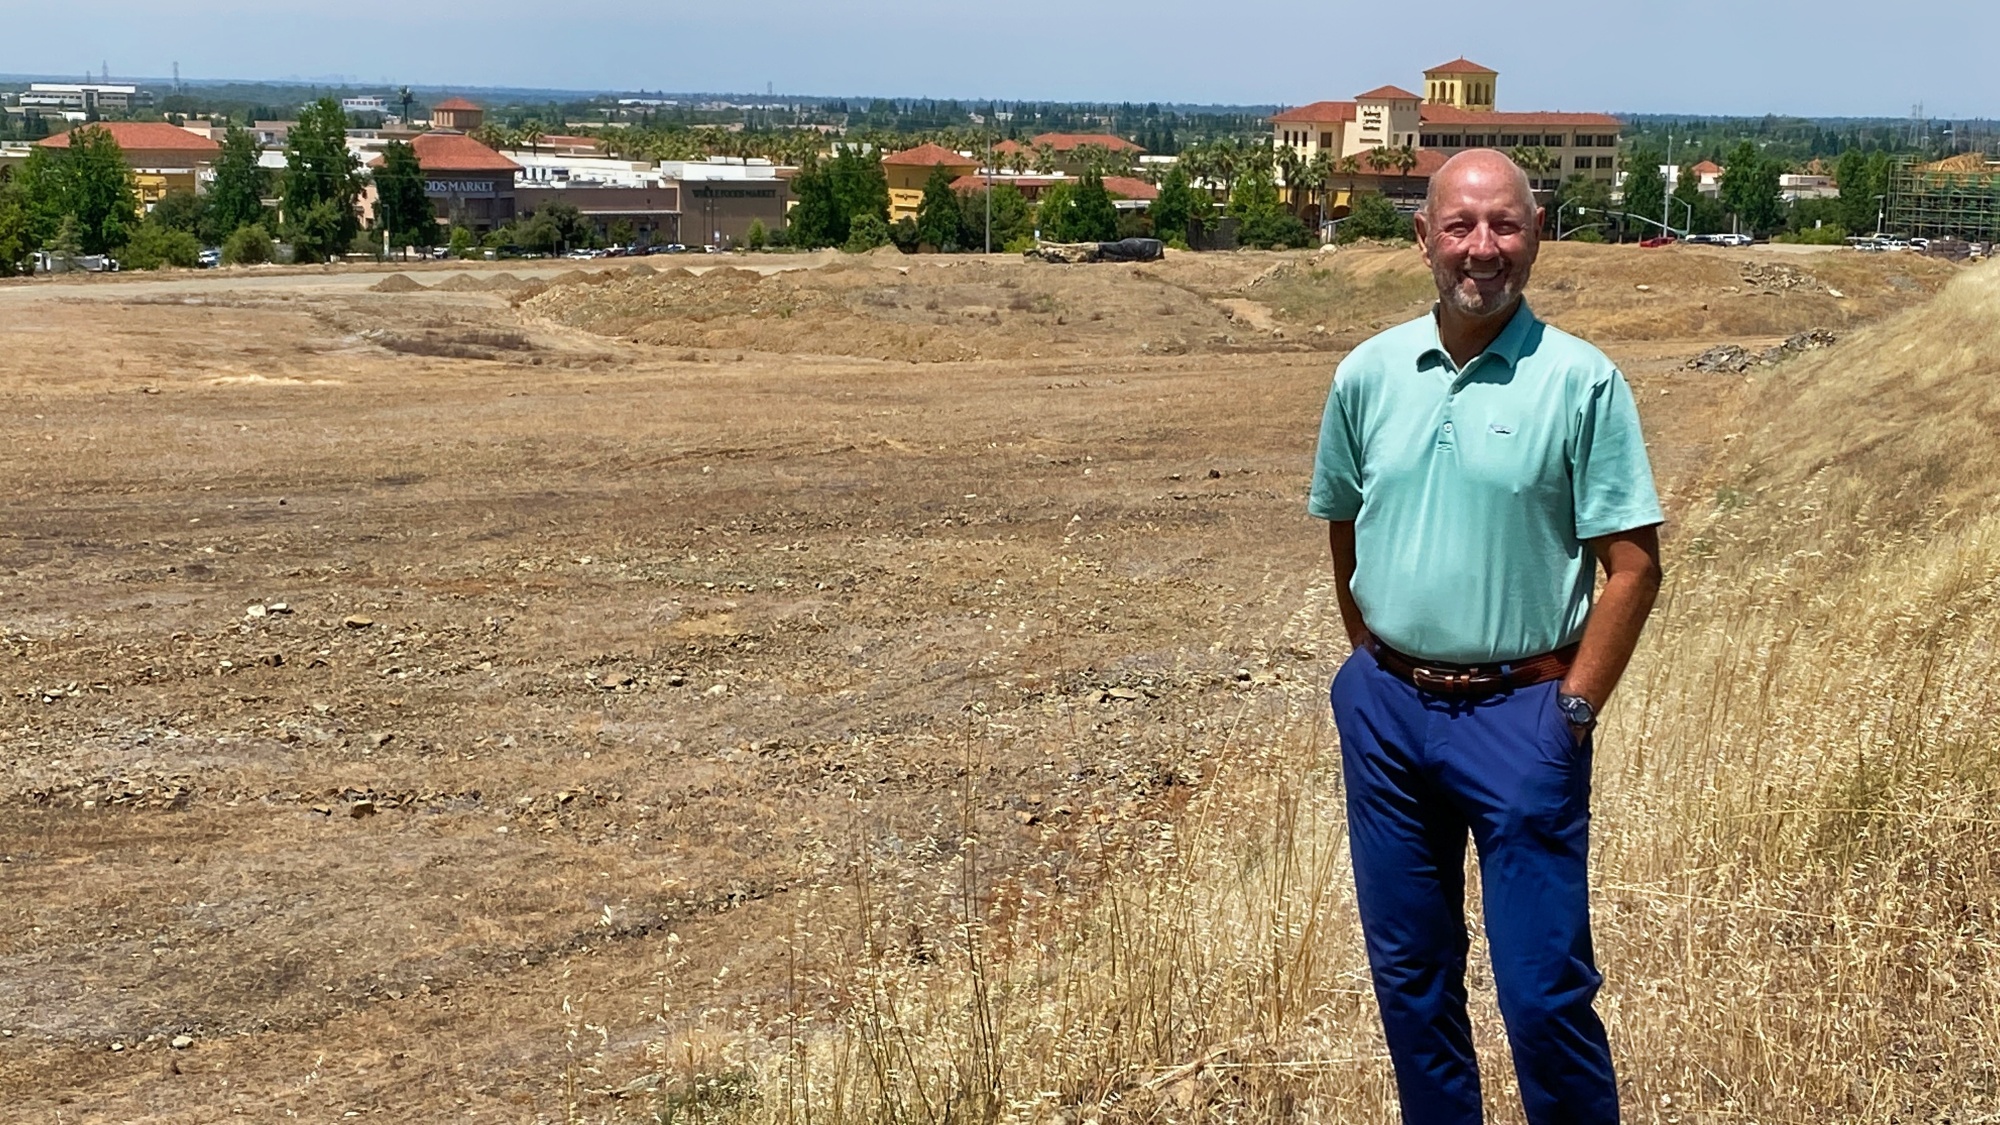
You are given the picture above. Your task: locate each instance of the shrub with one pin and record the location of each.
(866, 232)
(1374, 217)
(756, 238)
(1273, 230)
(1832, 234)
(153, 246)
(248, 245)
(463, 245)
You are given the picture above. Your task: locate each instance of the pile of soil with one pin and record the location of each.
(397, 283)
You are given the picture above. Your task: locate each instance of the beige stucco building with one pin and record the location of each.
(1455, 113)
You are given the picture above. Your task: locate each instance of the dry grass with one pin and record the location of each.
(1797, 892)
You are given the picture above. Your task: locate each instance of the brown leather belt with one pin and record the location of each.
(1462, 680)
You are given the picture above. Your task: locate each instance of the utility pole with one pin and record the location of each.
(1666, 204)
(989, 185)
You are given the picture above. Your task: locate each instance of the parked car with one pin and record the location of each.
(1731, 239)
(1657, 240)
(209, 259)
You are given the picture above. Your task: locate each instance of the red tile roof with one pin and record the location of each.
(1707, 168)
(1316, 112)
(149, 136)
(929, 154)
(454, 103)
(1388, 93)
(1439, 114)
(1461, 65)
(1064, 142)
(454, 152)
(1429, 160)
(1124, 187)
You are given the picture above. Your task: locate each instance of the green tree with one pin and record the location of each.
(1013, 218)
(1050, 208)
(859, 188)
(401, 207)
(247, 245)
(1702, 214)
(156, 245)
(322, 184)
(1373, 216)
(756, 237)
(236, 196)
(1262, 219)
(866, 232)
(463, 244)
(66, 244)
(815, 220)
(180, 210)
(1645, 187)
(15, 243)
(1090, 216)
(1581, 203)
(1176, 205)
(554, 229)
(1862, 177)
(1750, 189)
(87, 183)
(940, 222)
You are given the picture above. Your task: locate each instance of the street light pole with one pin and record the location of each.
(1666, 205)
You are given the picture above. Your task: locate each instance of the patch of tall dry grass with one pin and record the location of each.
(1798, 891)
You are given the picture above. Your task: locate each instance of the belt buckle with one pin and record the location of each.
(1439, 682)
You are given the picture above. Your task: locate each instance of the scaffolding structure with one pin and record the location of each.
(1957, 198)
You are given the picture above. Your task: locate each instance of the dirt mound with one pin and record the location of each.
(397, 283)
(884, 252)
(640, 269)
(461, 283)
(571, 277)
(726, 275)
(502, 280)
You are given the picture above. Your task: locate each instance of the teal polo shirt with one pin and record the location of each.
(1473, 489)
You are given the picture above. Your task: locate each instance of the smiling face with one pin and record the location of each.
(1480, 231)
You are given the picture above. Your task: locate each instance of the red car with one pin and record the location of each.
(1657, 240)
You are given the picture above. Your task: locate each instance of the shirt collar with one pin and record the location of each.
(1508, 345)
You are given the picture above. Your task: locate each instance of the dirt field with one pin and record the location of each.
(419, 694)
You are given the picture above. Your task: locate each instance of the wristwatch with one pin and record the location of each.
(1577, 710)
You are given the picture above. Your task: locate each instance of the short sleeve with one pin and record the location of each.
(1336, 483)
(1612, 481)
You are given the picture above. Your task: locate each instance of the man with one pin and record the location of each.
(1475, 466)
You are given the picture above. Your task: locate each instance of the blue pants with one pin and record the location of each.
(1421, 772)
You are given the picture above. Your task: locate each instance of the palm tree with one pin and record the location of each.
(1404, 157)
(1044, 159)
(1225, 161)
(1535, 160)
(1292, 167)
(1317, 173)
(531, 134)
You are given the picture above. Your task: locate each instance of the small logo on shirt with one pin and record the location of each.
(1501, 428)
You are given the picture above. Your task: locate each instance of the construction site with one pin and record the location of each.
(881, 688)
(1955, 198)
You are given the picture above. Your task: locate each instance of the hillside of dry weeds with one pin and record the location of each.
(1798, 900)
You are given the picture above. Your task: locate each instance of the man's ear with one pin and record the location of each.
(1422, 223)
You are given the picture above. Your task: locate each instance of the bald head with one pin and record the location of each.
(1480, 231)
(1483, 172)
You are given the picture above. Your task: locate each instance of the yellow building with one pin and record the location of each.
(1456, 113)
(1461, 84)
(162, 157)
(907, 172)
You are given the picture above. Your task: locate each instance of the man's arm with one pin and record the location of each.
(1340, 536)
(1631, 561)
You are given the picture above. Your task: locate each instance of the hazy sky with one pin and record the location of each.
(1826, 57)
